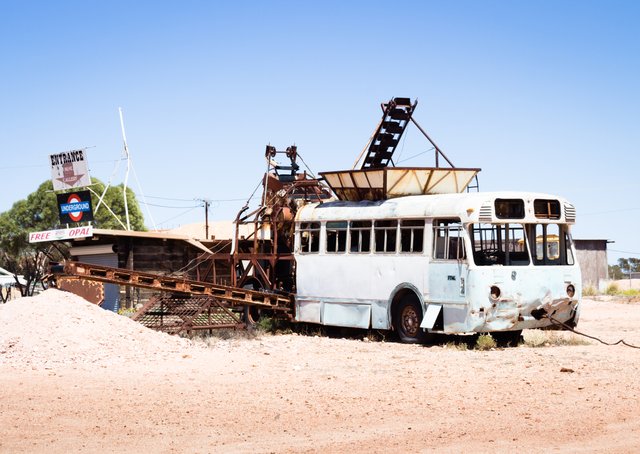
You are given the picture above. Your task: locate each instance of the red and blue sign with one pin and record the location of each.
(75, 207)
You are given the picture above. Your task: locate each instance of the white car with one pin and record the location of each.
(7, 278)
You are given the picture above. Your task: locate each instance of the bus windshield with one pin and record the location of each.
(513, 244)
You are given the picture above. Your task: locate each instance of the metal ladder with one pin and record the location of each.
(395, 118)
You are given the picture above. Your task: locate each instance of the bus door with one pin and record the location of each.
(447, 272)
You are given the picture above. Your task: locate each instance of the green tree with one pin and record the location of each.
(629, 265)
(615, 272)
(113, 200)
(39, 211)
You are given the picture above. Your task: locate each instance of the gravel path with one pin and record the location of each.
(76, 378)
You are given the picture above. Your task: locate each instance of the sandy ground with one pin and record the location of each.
(64, 389)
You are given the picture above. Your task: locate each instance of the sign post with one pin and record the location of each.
(61, 234)
(75, 207)
(69, 170)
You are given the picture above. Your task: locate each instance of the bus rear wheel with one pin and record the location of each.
(407, 319)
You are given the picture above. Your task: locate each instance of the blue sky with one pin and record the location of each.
(542, 95)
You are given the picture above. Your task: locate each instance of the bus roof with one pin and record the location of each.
(469, 207)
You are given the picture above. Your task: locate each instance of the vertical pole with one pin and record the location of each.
(206, 219)
(126, 177)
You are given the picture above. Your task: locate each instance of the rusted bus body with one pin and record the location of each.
(452, 263)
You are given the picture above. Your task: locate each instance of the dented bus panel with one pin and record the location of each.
(451, 263)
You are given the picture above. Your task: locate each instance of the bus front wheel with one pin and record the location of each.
(408, 316)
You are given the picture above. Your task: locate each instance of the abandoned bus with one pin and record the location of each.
(443, 263)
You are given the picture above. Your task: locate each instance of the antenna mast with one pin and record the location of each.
(126, 175)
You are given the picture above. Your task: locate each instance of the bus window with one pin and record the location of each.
(546, 209)
(497, 244)
(448, 243)
(309, 237)
(385, 235)
(360, 236)
(551, 243)
(336, 236)
(568, 243)
(516, 245)
(411, 235)
(509, 208)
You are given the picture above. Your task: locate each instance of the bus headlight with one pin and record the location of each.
(495, 292)
(571, 290)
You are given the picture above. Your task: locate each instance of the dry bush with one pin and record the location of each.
(210, 339)
(460, 346)
(540, 338)
(612, 289)
(485, 342)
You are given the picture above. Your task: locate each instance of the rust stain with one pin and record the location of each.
(90, 290)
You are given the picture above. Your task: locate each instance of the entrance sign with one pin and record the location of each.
(69, 170)
(75, 207)
(61, 234)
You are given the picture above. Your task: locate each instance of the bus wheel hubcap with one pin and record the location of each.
(410, 321)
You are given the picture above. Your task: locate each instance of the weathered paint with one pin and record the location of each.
(391, 182)
(335, 288)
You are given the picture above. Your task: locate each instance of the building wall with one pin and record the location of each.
(162, 256)
(592, 257)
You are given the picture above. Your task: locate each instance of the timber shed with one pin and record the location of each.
(163, 253)
(592, 257)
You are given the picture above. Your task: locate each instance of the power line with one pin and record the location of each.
(178, 215)
(622, 210)
(623, 252)
(167, 206)
(31, 166)
(195, 199)
(415, 155)
(170, 199)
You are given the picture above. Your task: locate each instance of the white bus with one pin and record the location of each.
(448, 263)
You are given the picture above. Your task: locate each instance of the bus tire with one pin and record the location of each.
(407, 319)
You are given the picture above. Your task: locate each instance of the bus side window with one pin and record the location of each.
(439, 241)
(360, 236)
(567, 245)
(448, 243)
(336, 236)
(411, 235)
(309, 237)
(385, 235)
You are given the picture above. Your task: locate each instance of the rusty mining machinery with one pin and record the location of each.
(260, 256)
(263, 258)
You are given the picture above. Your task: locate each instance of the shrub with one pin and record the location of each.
(273, 325)
(631, 292)
(589, 290)
(211, 338)
(485, 342)
(612, 289)
(266, 325)
(127, 312)
(461, 346)
(536, 338)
